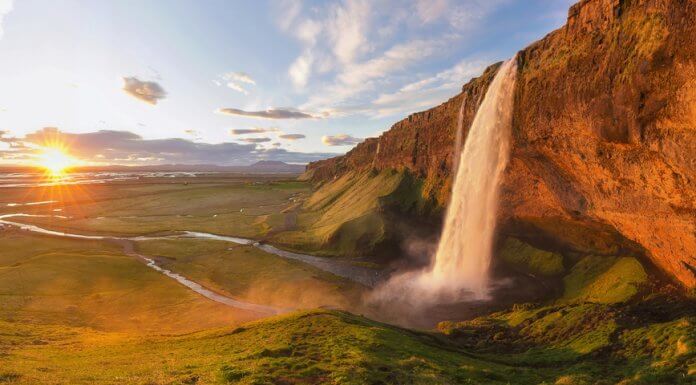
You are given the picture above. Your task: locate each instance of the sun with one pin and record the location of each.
(55, 161)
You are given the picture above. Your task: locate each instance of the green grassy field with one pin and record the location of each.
(84, 312)
(245, 207)
(250, 274)
(51, 281)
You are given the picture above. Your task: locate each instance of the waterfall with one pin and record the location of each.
(464, 252)
(460, 268)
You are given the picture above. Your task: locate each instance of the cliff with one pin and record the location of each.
(604, 137)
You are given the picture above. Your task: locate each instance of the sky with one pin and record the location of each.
(234, 82)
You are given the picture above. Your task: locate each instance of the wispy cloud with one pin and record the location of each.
(340, 140)
(292, 136)
(429, 90)
(148, 92)
(234, 80)
(354, 49)
(256, 140)
(255, 130)
(6, 7)
(273, 113)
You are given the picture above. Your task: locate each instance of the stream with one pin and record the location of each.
(363, 275)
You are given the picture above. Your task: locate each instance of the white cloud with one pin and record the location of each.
(359, 78)
(351, 50)
(340, 140)
(428, 91)
(431, 10)
(6, 7)
(234, 80)
(348, 26)
(287, 11)
(300, 69)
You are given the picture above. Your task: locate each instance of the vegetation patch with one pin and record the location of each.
(349, 216)
(604, 279)
(531, 260)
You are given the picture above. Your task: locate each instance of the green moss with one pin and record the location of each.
(315, 347)
(604, 279)
(531, 260)
(347, 216)
(666, 341)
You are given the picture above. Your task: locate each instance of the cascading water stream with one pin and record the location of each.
(464, 252)
(460, 268)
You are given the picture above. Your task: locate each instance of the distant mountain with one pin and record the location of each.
(276, 166)
(261, 167)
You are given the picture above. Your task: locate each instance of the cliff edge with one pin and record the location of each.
(604, 137)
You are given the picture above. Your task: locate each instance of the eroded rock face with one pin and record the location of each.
(604, 136)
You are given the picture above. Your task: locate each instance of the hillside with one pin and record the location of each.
(329, 347)
(604, 142)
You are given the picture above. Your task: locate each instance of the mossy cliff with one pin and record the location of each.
(604, 138)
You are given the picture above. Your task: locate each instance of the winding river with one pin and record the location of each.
(363, 275)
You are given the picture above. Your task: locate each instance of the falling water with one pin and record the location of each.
(460, 267)
(464, 253)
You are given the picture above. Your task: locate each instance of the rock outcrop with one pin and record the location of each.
(604, 136)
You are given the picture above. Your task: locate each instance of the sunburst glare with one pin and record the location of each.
(56, 161)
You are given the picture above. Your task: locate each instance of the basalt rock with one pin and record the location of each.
(604, 137)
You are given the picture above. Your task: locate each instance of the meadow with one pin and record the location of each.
(91, 311)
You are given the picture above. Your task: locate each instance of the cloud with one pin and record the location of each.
(300, 69)
(292, 136)
(353, 50)
(149, 92)
(256, 140)
(233, 80)
(273, 113)
(431, 10)
(340, 140)
(359, 78)
(428, 91)
(124, 147)
(348, 27)
(255, 130)
(6, 7)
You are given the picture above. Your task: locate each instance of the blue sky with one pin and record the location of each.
(246, 80)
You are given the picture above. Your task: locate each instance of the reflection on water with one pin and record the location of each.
(8, 180)
(30, 203)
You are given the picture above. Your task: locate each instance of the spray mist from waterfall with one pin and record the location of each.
(460, 268)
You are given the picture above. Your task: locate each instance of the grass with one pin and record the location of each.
(531, 260)
(604, 279)
(247, 273)
(347, 216)
(44, 280)
(81, 312)
(316, 347)
(247, 208)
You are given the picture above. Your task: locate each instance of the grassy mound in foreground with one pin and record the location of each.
(315, 347)
(576, 344)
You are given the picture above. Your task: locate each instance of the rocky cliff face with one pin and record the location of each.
(604, 136)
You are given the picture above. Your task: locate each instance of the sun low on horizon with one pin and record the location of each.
(55, 161)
